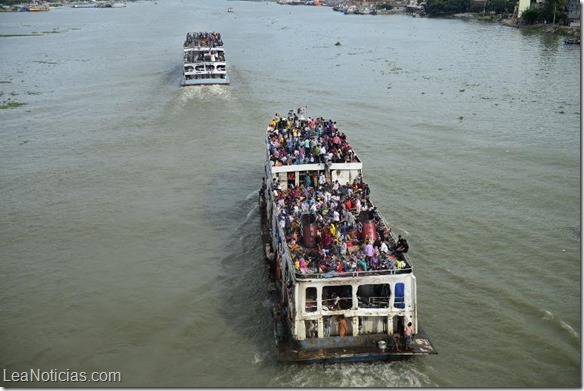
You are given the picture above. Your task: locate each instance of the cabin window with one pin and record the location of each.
(372, 325)
(310, 302)
(331, 325)
(336, 298)
(311, 327)
(283, 178)
(399, 295)
(373, 295)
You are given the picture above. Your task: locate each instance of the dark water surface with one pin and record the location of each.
(129, 228)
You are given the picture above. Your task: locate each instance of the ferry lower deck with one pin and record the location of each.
(201, 81)
(377, 347)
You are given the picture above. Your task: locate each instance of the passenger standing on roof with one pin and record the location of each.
(383, 248)
(369, 249)
(357, 204)
(342, 248)
(402, 245)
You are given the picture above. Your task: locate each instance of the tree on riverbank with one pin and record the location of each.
(500, 6)
(552, 11)
(447, 7)
(451, 7)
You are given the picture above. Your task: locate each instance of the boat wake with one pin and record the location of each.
(204, 93)
(260, 357)
(549, 316)
(368, 375)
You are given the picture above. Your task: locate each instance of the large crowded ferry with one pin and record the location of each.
(204, 59)
(342, 286)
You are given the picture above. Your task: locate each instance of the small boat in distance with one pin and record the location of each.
(230, 9)
(99, 4)
(84, 5)
(38, 7)
(204, 59)
(366, 11)
(572, 41)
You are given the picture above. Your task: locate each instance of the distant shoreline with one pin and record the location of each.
(571, 31)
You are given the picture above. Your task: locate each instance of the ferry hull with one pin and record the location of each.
(366, 350)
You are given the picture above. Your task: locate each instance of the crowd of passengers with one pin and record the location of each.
(339, 244)
(212, 55)
(292, 139)
(203, 38)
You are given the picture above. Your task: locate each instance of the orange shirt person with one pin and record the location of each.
(342, 326)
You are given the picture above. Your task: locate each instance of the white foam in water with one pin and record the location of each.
(358, 375)
(191, 93)
(569, 328)
(548, 315)
(259, 357)
(251, 212)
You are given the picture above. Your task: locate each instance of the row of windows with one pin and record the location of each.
(338, 298)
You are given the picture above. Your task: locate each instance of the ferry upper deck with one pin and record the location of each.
(203, 39)
(324, 214)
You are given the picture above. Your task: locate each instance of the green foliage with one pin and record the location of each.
(532, 15)
(552, 10)
(14, 2)
(447, 7)
(10, 105)
(551, 6)
(500, 6)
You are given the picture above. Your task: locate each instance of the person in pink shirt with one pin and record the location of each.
(303, 266)
(369, 249)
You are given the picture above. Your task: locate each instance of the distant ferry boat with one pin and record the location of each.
(204, 59)
(84, 5)
(38, 7)
(342, 286)
(100, 4)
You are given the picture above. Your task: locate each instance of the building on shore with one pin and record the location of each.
(573, 12)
